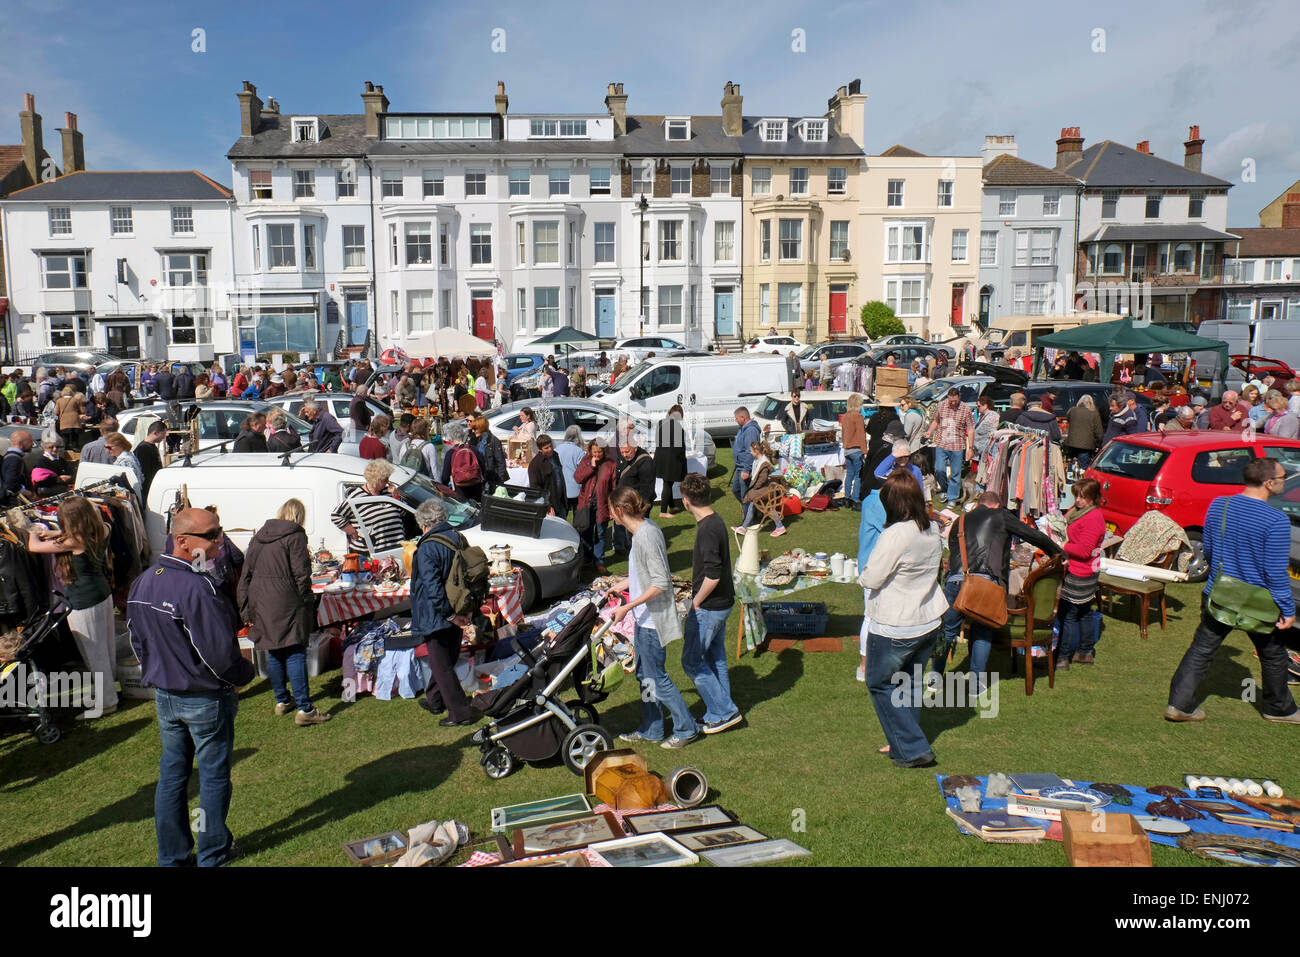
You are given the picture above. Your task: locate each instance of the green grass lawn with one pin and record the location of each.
(803, 765)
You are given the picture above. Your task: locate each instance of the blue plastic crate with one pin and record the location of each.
(796, 617)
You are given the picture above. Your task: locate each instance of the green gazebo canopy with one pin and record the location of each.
(1124, 336)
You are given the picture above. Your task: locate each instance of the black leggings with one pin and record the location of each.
(666, 495)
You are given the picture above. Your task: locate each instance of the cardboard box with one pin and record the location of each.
(891, 384)
(1097, 839)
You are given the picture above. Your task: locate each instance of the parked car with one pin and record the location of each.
(219, 421)
(522, 363)
(904, 354)
(1179, 473)
(86, 360)
(810, 359)
(825, 409)
(1257, 367)
(339, 405)
(784, 345)
(1288, 503)
(594, 418)
(901, 339)
(638, 348)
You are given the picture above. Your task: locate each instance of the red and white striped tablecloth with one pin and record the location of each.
(345, 606)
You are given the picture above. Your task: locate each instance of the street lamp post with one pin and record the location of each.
(642, 205)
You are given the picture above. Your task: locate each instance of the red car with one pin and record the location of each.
(1179, 473)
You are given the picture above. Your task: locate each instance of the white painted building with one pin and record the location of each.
(134, 264)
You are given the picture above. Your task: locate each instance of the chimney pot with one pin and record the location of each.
(70, 121)
(370, 87)
(1194, 132)
(1144, 147)
(29, 102)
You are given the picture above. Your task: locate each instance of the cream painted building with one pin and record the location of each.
(920, 231)
(801, 224)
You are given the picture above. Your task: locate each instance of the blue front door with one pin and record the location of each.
(358, 322)
(605, 316)
(723, 324)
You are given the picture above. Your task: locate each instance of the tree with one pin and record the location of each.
(878, 320)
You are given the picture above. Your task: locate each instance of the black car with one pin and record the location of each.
(903, 355)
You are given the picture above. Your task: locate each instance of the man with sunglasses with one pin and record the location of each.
(182, 625)
(1247, 538)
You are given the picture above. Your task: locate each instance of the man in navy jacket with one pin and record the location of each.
(744, 459)
(432, 616)
(182, 627)
(326, 433)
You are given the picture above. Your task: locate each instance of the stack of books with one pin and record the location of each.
(998, 827)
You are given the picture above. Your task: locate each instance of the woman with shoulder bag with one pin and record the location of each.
(1085, 528)
(670, 457)
(595, 475)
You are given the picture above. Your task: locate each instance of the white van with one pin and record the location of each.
(717, 385)
(248, 488)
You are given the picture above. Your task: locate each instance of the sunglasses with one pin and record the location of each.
(211, 535)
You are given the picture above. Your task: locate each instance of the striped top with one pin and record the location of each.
(382, 520)
(1256, 549)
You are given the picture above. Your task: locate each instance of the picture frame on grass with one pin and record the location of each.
(546, 811)
(749, 855)
(683, 820)
(376, 849)
(709, 838)
(567, 859)
(646, 850)
(560, 836)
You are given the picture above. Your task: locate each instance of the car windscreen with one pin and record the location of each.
(1128, 460)
(808, 352)
(1288, 500)
(628, 377)
(418, 489)
(771, 408)
(932, 390)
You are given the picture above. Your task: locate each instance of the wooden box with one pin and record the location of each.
(1104, 840)
(819, 437)
(891, 384)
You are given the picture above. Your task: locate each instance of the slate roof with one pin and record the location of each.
(1109, 164)
(1157, 233)
(126, 186)
(1264, 242)
(1008, 170)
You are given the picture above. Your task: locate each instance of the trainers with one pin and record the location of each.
(635, 736)
(1292, 718)
(282, 709)
(713, 727)
(675, 742)
(778, 533)
(1173, 714)
(315, 716)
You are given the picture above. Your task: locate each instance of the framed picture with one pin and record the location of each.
(1213, 807)
(1280, 809)
(563, 808)
(711, 837)
(377, 849)
(1247, 820)
(567, 859)
(1243, 851)
(748, 855)
(565, 835)
(647, 850)
(689, 819)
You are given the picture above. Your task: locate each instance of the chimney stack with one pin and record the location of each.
(848, 112)
(272, 106)
(1144, 147)
(29, 121)
(732, 118)
(502, 101)
(996, 145)
(1192, 148)
(250, 110)
(74, 152)
(1069, 147)
(616, 103)
(376, 103)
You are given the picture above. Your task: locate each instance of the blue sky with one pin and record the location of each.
(939, 75)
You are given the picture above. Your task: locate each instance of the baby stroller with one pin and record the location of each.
(43, 649)
(529, 722)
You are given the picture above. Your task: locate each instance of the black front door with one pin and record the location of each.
(124, 342)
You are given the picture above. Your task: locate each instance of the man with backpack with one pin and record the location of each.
(544, 474)
(445, 576)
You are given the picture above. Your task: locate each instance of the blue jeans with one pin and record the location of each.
(658, 690)
(289, 665)
(1082, 456)
(949, 461)
(704, 659)
(595, 540)
(738, 486)
(900, 721)
(853, 475)
(749, 517)
(981, 635)
(1078, 631)
(200, 725)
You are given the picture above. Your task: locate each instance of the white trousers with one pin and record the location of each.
(97, 642)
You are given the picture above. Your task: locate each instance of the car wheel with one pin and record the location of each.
(532, 589)
(1198, 570)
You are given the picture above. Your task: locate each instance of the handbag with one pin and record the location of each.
(980, 598)
(1239, 604)
(584, 518)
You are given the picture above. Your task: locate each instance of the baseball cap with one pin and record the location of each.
(1199, 401)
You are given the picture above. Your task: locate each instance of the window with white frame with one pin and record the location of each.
(304, 131)
(1164, 256)
(521, 244)
(814, 131)
(1185, 256)
(393, 245)
(1038, 298)
(60, 220)
(839, 240)
(120, 220)
(677, 128)
(988, 247)
(837, 178)
(419, 244)
(572, 303)
(521, 320)
(791, 240)
(546, 244)
(431, 184)
(546, 307)
(345, 182)
(480, 244)
(187, 330)
(63, 271)
(475, 182)
(1042, 247)
(1092, 259)
(257, 248)
(67, 331)
(1052, 202)
(390, 183)
(1139, 257)
(444, 245)
(1207, 261)
(185, 269)
(557, 181)
(694, 232)
(437, 127)
(304, 184)
(560, 128)
(761, 179)
(446, 319)
(798, 180)
(182, 220)
(895, 193)
(259, 183)
(354, 247)
(280, 246)
(520, 181)
(600, 181)
(670, 240)
(764, 305)
(906, 295)
(1153, 206)
(789, 303)
(945, 192)
(773, 131)
(1007, 202)
(670, 305)
(765, 240)
(1245, 270)
(1272, 270)
(419, 311)
(1112, 259)
(680, 181)
(643, 179)
(724, 241)
(907, 243)
(1022, 247)
(959, 242)
(1019, 307)
(1109, 203)
(720, 179)
(571, 246)
(395, 313)
(1240, 310)
(1196, 204)
(604, 243)
(309, 247)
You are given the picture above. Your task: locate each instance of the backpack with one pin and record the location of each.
(414, 458)
(467, 582)
(464, 467)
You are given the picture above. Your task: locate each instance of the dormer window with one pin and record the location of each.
(773, 131)
(814, 131)
(305, 130)
(677, 128)
(568, 129)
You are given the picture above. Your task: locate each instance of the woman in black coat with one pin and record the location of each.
(275, 599)
(670, 457)
(250, 438)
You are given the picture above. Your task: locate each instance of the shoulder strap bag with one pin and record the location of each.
(1236, 603)
(980, 597)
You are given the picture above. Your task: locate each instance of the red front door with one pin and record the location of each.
(958, 302)
(839, 309)
(483, 319)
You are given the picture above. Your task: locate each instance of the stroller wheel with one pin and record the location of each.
(497, 763)
(48, 733)
(582, 744)
(583, 713)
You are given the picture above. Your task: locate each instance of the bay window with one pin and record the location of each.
(789, 297)
(419, 244)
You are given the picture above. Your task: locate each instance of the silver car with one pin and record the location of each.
(219, 421)
(810, 359)
(339, 405)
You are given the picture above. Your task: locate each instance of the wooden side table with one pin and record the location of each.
(1109, 587)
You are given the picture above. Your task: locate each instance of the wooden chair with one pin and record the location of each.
(1110, 587)
(768, 503)
(1041, 594)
